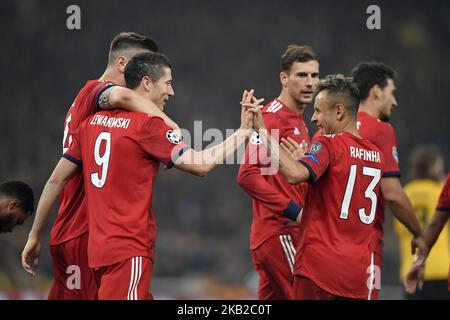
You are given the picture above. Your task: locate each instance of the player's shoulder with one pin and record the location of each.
(91, 85)
(273, 113)
(144, 119)
(367, 120)
(326, 140)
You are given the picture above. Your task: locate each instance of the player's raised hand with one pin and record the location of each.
(30, 255)
(249, 102)
(294, 149)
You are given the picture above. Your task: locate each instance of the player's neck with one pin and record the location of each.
(369, 108)
(350, 127)
(295, 106)
(112, 76)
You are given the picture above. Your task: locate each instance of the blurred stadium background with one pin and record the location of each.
(217, 48)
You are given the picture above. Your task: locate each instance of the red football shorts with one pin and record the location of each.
(73, 279)
(274, 261)
(126, 280)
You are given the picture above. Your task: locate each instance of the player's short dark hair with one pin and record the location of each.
(342, 90)
(21, 191)
(368, 74)
(125, 41)
(422, 160)
(296, 53)
(142, 64)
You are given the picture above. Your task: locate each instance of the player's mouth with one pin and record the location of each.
(307, 94)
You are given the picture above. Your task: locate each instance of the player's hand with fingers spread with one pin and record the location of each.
(294, 149)
(255, 107)
(30, 255)
(249, 103)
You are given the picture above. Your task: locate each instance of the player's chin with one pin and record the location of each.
(305, 99)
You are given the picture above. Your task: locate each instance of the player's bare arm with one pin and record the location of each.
(402, 209)
(124, 98)
(415, 277)
(60, 176)
(203, 162)
(434, 228)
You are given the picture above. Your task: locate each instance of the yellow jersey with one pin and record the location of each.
(424, 195)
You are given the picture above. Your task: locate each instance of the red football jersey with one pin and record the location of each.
(337, 234)
(71, 220)
(444, 205)
(382, 135)
(120, 152)
(272, 195)
(444, 198)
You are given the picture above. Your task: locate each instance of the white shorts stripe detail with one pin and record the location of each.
(292, 246)
(286, 252)
(289, 249)
(131, 280)
(372, 274)
(139, 278)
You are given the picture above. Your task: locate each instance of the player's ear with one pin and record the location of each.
(340, 111)
(377, 91)
(121, 62)
(13, 203)
(284, 77)
(146, 82)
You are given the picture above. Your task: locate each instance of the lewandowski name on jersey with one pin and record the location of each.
(110, 122)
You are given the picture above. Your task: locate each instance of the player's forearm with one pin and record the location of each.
(292, 170)
(46, 203)
(434, 228)
(214, 156)
(257, 187)
(127, 99)
(400, 204)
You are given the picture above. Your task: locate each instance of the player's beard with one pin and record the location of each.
(384, 117)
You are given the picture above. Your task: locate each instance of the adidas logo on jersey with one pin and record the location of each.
(274, 106)
(296, 131)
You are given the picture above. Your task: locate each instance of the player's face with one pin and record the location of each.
(162, 90)
(388, 101)
(11, 215)
(301, 80)
(324, 117)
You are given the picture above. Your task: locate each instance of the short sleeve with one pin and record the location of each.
(444, 198)
(73, 154)
(318, 158)
(161, 142)
(388, 146)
